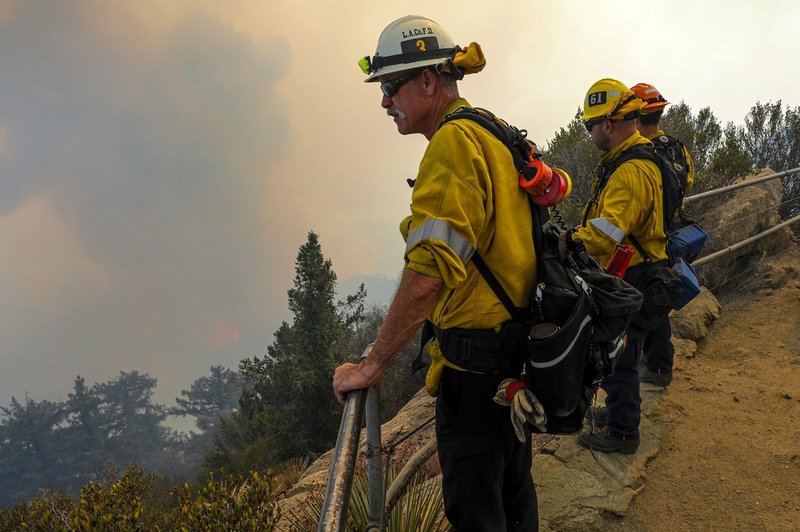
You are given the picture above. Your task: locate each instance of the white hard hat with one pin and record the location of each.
(407, 43)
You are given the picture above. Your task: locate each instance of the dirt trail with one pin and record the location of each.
(730, 459)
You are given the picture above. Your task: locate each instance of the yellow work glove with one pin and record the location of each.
(470, 59)
(524, 406)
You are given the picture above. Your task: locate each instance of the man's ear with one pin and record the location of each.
(429, 81)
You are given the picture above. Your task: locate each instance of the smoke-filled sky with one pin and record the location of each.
(161, 161)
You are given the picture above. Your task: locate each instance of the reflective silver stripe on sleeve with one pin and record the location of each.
(607, 228)
(439, 230)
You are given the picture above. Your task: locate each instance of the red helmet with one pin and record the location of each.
(650, 95)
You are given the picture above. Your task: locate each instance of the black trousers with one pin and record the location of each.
(622, 388)
(658, 352)
(486, 472)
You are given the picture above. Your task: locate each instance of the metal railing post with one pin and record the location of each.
(333, 514)
(374, 456)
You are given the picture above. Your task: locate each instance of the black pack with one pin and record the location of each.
(685, 237)
(575, 322)
(673, 181)
(661, 284)
(672, 151)
(580, 313)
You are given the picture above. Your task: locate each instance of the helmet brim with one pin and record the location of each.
(653, 107)
(402, 67)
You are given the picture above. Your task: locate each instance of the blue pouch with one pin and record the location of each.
(686, 243)
(689, 281)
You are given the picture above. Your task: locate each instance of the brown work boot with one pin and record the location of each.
(658, 378)
(599, 439)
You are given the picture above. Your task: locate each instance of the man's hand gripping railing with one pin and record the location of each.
(333, 515)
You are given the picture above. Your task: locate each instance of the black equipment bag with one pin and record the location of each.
(579, 313)
(673, 180)
(661, 285)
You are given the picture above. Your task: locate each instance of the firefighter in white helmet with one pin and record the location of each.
(465, 199)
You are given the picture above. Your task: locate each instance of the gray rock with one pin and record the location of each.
(744, 213)
(691, 321)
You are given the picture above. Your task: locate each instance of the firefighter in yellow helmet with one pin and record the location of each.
(626, 207)
(657, 354)
(465, 201)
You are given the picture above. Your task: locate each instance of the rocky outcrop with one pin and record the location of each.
(691, 322)
(744, 213)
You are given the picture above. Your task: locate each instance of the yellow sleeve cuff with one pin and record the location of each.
(429, 262)
(423, 269)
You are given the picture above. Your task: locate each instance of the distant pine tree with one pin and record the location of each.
(288, 408)
(29, 458)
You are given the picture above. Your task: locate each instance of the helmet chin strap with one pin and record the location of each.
(622, 103)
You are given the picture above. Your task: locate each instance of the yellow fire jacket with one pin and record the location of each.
(466, 198)
(630, 203)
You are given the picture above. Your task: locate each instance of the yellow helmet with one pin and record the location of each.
(610, 99)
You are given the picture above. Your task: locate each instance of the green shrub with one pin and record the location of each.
(134, 502)
(233, 503)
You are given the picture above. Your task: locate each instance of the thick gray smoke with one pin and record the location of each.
(146, 152)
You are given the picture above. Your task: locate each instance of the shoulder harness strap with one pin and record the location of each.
(521, 151)
(672, 190)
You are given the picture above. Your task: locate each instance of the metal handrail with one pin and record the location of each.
(333, 515)
(374, 455)
(756, 181)
(743, 243)
(734, 247)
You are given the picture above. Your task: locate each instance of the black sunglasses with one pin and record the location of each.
(589, 124)
(391, 86)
